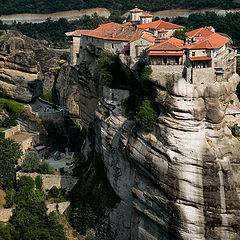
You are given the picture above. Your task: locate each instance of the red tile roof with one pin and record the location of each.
(201, 32)
(76, 33)
(213, 41)
(140, 34)
(113, 31)
(158, 25)
(165, 54)
(200, 59)
(171, 44)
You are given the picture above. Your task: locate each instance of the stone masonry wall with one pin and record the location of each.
(6, 214)
(65, 182)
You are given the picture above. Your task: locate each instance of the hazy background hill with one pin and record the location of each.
(49, 6)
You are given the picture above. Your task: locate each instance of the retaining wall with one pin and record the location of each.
(49, 180)
(6, 214)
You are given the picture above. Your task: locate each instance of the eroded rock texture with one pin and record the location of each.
(27, 68)
(181, 181)
(78, 92)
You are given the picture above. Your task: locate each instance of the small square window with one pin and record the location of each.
(193, 54)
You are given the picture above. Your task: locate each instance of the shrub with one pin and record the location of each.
(147, 115)
(38, 182)
(32, 222)
(170, 84)
(147, 71)
(82, 217)
(10, 152)
(31, 162)
(37, 196)
(8, 122)
(44, 168)
(235, 129)
(24, 187)
(51, 97)
(54, 192)
(9, 198)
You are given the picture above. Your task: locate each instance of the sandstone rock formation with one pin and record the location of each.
(181, 181)
(78, 92)
(27, 68)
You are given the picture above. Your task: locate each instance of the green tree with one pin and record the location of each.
(54, 192)
(95, 21)
(147, 115)
(44, 168)
(31, 162)
(10, 152)
(38, 182)
(105, 64)
(37, 196)
(32, 222)
(24, 187)
(147, 71)
(82, 217)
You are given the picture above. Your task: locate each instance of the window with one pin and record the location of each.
(112, 45)
(193, 54)
(77, 55)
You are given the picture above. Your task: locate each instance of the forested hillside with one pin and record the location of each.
(47, 6)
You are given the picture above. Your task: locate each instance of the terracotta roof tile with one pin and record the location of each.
(77, 33)
(165, 54)
(148, 37)
(200, 59)
(213, 41)
(158, 25)
(113, 31)
(171, 44)
(140, 34)
(200, 32)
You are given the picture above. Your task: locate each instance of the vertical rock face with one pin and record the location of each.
(181, 180)
(78, 91)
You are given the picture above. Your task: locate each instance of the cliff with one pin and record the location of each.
(181, 180)
(27, 68)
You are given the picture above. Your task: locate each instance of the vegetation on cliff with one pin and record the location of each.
(147, 115)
